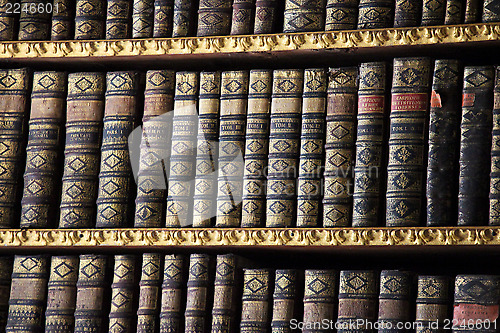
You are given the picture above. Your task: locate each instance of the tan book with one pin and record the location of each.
(199, 298)
(256, 301)
(173, 293)
(319, 298)
(148, 310)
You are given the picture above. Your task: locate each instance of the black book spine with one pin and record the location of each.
(62, 20)
(454, 12)
(433, 12)
(375, 14)
(495, 155)
(163, 18)
(142, 18)
(341, 14)
(407, 13)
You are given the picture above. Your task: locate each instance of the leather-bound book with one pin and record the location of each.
(61, 295)
(184, 18)
(173, 299)
(394, 300)
(163, 18)
(288, 284)
(304, 15)
(34, 24)
(5, 284)
(444, 143)
(370, 152)
(14, 89)
(142, 18)
(341, 14)
(255, 301)
(256, 148)
(233, 112)
(473, 11)
(90, 19)
(433, 297)
(148, 311)
(312, 141)
(85, 108)
(494, 217)
(319, 298)
(118, 19)
(454, 12)
(183, 152)
(475, 145)
(491, 11)
(266, 12)
(243, 16)
(28, 293)
(62, 20)
(7, 21)
(433, 12)
(284, 141)
(214, 17)
(408, 128)
(42, 175)
(375, 14)
(205, 189)
(340, 146)
(407, 13)
(476, 303)
(150, 201)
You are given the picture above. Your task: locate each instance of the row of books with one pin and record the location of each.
(119, 19)
(208, 293)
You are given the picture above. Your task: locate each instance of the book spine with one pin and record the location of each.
(265, 16)
(14, 87)
(454, 12)
(340, 146)
(149, 293)
(494, 217)
(312, 140)
(183, 18)
(375, 14)
(118, 19)
(394, 300)
(182, 155)
(61, 294)
(285, 300)
(115, 176)
(256, 310)
(90, 19)
(358, 293)
(407, 13)
(491, 11)
(405, 170)
(205, 189)
(143, 18)
(163, 18)
(199, 293)
(256, 148)
(226, 296)
(472, 11)
(475, 145)
(5, 285)
(85, 107)
(7, 21)
(319, 297)
(34, 24)
(444, 136)
(28, 294)
(304, 15)
(123, 295)
(432, 304)
(372, 111)
(341, 14)
(62, 20)
(243, 17)
(433, 12)
(90, 294)
(476, 301)
(44, 150)
(214, 18)
(150, 201)
(233, 112)
(173, 294)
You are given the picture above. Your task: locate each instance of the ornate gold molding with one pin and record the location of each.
(264, 237)
(252, 43)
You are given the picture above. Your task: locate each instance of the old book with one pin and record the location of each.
(358, 292)
(491, 11)
(199, 298)
(233, 111)
(148, 310)
(90, 19)
(14, 85)
(433, 12)
(114, 198)
(7, 21)
(375, 14)
(408, 128)
(266, 12)
(124, 294)
(454, 12)
(340, 146)
(163, 18)
(85, 108)
(494, 217)
(39, 205)
(214, 17)
(118, 19)
(288, 286)
(256, 148)
(319, 298)
(242, 20)
(205, 189)
(370, 152)
(61, 294)
(28, 293)
(473, 11)
(476, 301)
(183, 19)
(304, 15)
(150, 201)
(312, 139)
(62, 20)
(407, 13)
(475, 145)
(394, 300)
(5, 285)
(444, 143)
(284, 140)
(34, 24)
(142, 18)
(341, 14)
(432, 303)
(173, 299)
(183, 153)
(255, 301)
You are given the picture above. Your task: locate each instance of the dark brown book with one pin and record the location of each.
(163, 18)
(5, 285)
(407, 13)
(375, 14)
(118, 19)
(214, 17)
(394, 300)
(433, 297)
(199, 298)
(143, 18)
(62, 20)
(433, 12)
(491, 11)
(341, 14)
(473, 11)
(242, 21)
(8, 21)
(173, 299)
(319, 298)
(494, 218)
(454, 12)
(184, 18)
(288, 284)
(255, 301)
(304, 15)
(266, 12)
(148, 311)
(34, 24)
(90, 19)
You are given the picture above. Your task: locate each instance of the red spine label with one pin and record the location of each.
(370, 104)
(465, 312)
(436, 100)
(409, 102)
(468, 99)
